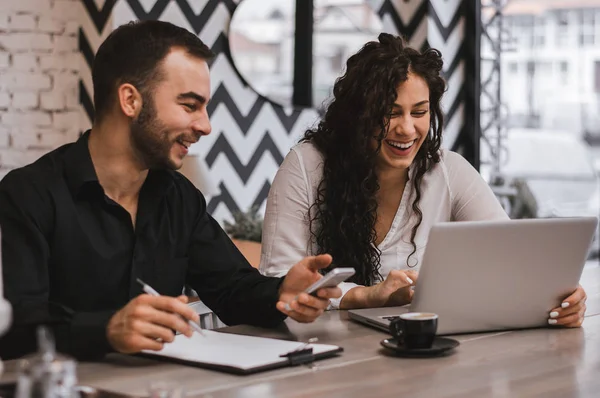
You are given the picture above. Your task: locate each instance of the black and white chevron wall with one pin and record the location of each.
(251, 135)
(96, 25)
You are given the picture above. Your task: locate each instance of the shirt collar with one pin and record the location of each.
(81, 174)
(79, 169)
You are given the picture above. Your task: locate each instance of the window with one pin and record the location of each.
(564, 72)
(541, 145)
(522, 30)
(539, 32)
(597, 77)
(587, 27)
(262, 44)
(562, 28)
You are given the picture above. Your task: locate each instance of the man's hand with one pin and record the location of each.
(294, 302)
(571, 312)
(147, 322)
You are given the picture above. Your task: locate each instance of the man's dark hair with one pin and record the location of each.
(132, 53)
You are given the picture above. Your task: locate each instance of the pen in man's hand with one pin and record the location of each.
(149, 290)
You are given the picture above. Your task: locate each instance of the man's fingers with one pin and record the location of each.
(311, 301)
(305, 307)
(169, 320)
(155, 332)
(134, 342)
(306, 310)
(297, 316)
(329, 292)
(174, 305)
(316, 263)
(283, 307)
(146, 343)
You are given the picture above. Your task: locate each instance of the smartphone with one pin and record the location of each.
(331, 279)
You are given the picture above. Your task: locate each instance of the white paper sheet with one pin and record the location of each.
(233, 350)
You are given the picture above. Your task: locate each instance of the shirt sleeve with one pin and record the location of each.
(345, 287)
(25, 220)
(286, 233)
(225, 281)
(472, 197)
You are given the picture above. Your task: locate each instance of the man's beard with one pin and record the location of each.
(150, 138)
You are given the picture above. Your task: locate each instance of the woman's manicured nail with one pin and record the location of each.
(287, 307)
(552, 321)
(553, 314)
(565, 304)
(409, 280)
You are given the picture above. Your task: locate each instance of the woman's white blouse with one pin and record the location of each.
(451, 191)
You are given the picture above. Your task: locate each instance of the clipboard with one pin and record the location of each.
(239, 354)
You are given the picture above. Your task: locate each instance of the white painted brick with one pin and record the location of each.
(72, 27)
(52, 140)
(22, 81)
(60, 62)
(4, 138)
(25, 100)
(13, 158)
(39, 78)
(53, 100)
(22, 23)
(4, 100)
(65, 80)
(10, 158)
(24, 61)
(72, 98)
(38, 6)
(67, 84)
(3, 172)
(23, 138)
(51, 25)
(37, 138)
(73, 133)
(26, 41)
(32, 118)
(67, 10)
(65, 44)
(65, 120)
(4, 59)
(3, 21)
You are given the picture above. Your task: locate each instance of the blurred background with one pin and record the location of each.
(523, 100)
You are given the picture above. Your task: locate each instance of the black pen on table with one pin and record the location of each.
(149, 290)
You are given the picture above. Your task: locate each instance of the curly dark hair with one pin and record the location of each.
(342, 220)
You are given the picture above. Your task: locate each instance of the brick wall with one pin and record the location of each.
(39, 74)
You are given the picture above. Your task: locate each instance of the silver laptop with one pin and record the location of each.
(495, 275)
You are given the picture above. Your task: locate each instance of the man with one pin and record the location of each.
(82, 223)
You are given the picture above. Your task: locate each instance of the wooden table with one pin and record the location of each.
(539, 362)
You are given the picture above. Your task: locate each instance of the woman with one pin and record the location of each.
(367, 184)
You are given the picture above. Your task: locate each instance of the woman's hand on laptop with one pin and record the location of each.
(571, 311)
(395, 290)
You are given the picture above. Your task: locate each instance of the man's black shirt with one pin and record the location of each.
(71, 255)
